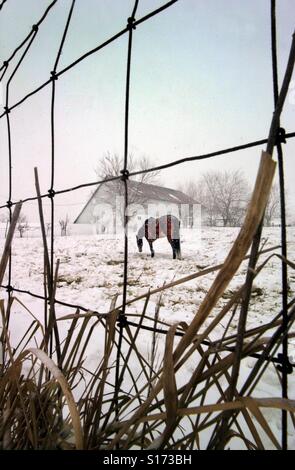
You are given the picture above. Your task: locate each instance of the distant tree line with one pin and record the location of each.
(224, 196)
(23, 225)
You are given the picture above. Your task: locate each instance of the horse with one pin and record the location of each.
(165, 226)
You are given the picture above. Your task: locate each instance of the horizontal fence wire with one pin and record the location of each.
(141, 297)
(205, 156)
(82, 57)
(35, 27)
(101, 315)
(132, 23)
(2, 3)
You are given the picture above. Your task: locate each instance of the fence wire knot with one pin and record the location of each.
(53, 75)
(122, 320)
(131, 23)
(284, 364)
(125, 175)
(281, 136)
(51, 193)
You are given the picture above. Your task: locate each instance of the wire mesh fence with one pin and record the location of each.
(113, 417)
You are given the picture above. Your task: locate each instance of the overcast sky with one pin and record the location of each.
(201, 80)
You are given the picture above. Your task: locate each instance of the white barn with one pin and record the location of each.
(105, 207)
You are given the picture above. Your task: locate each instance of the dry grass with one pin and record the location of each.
(150, 409)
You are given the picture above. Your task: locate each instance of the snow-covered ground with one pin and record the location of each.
(91, 273)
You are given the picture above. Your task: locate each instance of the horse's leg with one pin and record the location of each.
(172, 246)
(174, 235)
(177, 249)
(151, 248)
(175, 244)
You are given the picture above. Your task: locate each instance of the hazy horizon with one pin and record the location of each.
(201, 80)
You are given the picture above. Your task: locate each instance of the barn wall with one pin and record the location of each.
(89, 213)
(101, 210)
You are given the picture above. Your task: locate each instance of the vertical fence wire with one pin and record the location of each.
(284, 268)
(35, 27)
(272, 141)
(10, 159)
(2, 4)
(125, 175)
(51, 191)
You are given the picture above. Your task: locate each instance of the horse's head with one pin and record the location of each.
(139, 243)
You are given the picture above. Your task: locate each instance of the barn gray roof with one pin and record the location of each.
(147, 192)
(160, 193)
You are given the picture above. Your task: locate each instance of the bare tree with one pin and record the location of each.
(191, 188)
(4, 219)
(22, 225)
(273, 205)
(142, 164)
(222, 194)
(64, 225)
(230, 193)
(111, 165)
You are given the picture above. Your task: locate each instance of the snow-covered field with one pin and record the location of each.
(91, 273)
